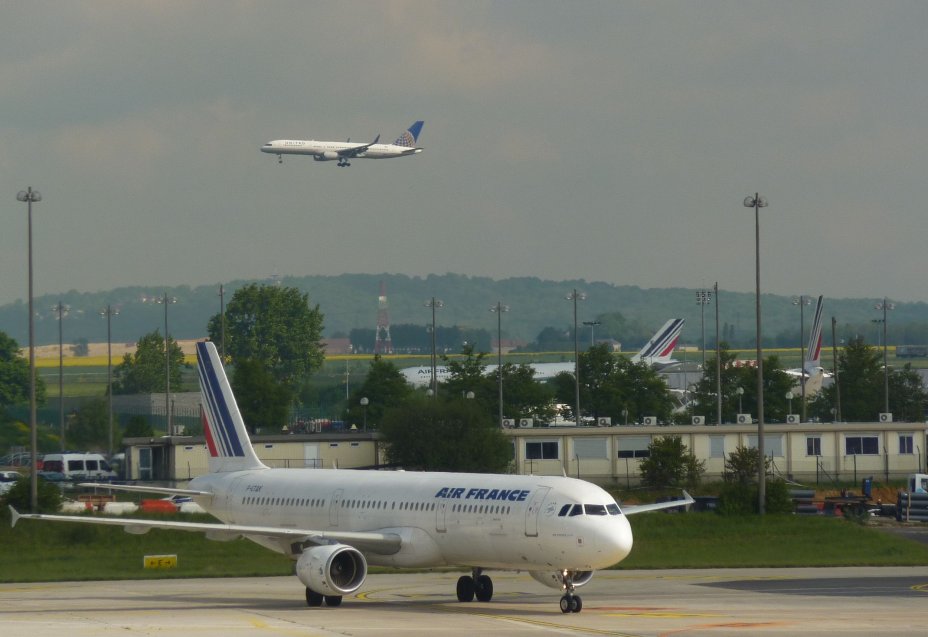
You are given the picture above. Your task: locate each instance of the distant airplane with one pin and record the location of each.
(657, 351)
(343, 152)
(813, 372)
(333, 523)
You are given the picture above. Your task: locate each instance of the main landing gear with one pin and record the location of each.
(280, 159)
(343, 162)
(570, 603)
(476, 585)
(314, 599)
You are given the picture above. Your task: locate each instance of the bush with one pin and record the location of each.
(738, 498)
(20, 496)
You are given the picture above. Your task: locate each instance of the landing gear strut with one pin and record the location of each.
(570, 603)
(280, 159)
(475, 585)
(314, 599)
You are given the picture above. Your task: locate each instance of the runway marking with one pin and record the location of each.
(544, 624)
(665, 614)
(737, 625)
(921, 588)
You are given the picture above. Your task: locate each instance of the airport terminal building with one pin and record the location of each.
(811, 453)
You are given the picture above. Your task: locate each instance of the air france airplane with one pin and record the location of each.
(812, 371)
(334, 523)
(344, 152)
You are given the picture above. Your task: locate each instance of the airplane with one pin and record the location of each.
(657, 351)
(344, 152)
(812, 373)
(335, 522)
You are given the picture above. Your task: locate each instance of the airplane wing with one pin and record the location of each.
(137, 489)
(357, 150)
(382, 543)
(632, 509)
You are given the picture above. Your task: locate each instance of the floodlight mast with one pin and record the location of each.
(757, 202)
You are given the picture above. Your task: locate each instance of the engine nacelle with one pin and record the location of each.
(334, 569)
(555, 579)
(329, 155)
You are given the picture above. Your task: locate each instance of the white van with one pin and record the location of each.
(79, 466)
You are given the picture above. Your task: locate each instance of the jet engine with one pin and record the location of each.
(334, 569)
(329, 155)
(555, 579)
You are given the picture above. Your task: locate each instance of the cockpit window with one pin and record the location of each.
(576, 510)
(563, 511)
(595, 509)
(613, 509)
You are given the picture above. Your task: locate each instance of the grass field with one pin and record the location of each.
(39, 551)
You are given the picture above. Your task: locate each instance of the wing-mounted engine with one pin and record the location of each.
(335, 569)
(555, 579)
(329, 155)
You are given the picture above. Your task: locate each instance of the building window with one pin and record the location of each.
(590, 449)
(813, 446)
(773, 445)
(906, 444)
(634, 446)
(861, 445)
(541, 450)
(716, 446)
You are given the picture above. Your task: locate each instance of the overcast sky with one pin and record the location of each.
(608, 141)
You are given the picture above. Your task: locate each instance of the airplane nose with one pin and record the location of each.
(620, 539)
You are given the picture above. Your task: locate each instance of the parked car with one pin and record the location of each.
(7, 479)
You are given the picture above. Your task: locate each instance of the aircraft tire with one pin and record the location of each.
(313, 599)
(333, 600)
(483, 588)
(565, 604)
(576, 604)
(466, 588)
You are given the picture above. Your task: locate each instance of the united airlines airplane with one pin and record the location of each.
(344, 152)
(334, 523)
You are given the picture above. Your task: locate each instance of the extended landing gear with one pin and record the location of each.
(314, 599)
(280, 159)
(343, 162)
(570, 603)
(476, 585)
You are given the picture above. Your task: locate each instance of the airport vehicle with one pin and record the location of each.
(7, 480)
(812, 371)
(334, 523)
(344, 152)
(78, 466)
(657, 351)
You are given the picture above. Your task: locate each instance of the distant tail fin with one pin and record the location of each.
(814, 353)
(660, 348)
(411, 136)
(226, 437)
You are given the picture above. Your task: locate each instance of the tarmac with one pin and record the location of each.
(724, 602)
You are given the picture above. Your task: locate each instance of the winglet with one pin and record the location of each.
(14, 515)
(376, 139)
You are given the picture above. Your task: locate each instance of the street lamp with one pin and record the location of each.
(789, 398)
(576, 296)
(166, 300)
(499, 308)
(740, 392)
(435, 304)
(30, 196)
(702, 300)
(718, 360)
(757, 202)
(802, 301)
(592, 325)
(885, 305)
(364, 403)
(109, 312)
(222, 323)
(61, 311)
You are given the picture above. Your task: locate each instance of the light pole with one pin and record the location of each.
(718, 360)
(499, 308)
(166, 300)
(834, 364)
(740, 392)
(364, 403)
(31, 196)
(789, 399)
(702, 300)
(885, 305)
(435, 304)
(757, 202)
(61, 311)
(108, 313)
(802, 301)
(222, 323)
(592, 325)
(576, 296)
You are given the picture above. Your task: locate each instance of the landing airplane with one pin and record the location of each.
(812, 373)
(657, 351)
(344, 152)
(334, 523)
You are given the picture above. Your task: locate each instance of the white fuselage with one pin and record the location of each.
(331, 150)
(487, 521)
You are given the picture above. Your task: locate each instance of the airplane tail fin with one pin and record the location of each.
(660, 348)
(814, 353)
(411, 136)
(226, 437)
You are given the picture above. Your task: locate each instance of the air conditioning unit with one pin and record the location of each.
(699, 420)
(745, 419)
(886, 417)
(509, 423)
(650, 420)
(604, 421)
(526, 422)
(792, 419)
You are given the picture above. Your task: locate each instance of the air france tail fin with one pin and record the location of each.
(814, 353)
(226, 437)
(660, 348)
(411, 136)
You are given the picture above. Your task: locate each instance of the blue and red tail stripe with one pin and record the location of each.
(222, 437)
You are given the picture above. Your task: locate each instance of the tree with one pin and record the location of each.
(860, 371)
(428, 434)
(20, 496)
(139, 427)
(264, 402)
(143, 372)
(742, 465)
(670, 464)
(384, 387)
(776, 385)
(14, 375)
(89, 427)
(80, 347)
(274, 326)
